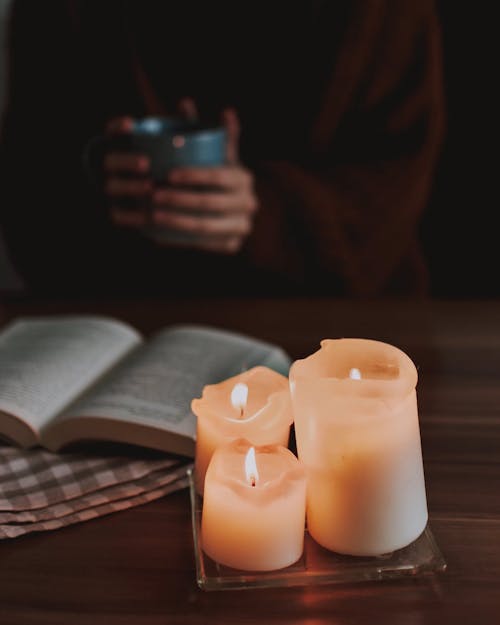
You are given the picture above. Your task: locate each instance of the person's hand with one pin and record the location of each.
(127, 184)
(216, 213)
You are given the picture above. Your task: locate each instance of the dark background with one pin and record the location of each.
(459, 230)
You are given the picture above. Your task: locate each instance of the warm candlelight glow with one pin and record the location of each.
(239, 396)
(355, 374)
(251, 471)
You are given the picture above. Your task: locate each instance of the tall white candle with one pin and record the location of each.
(357, 433)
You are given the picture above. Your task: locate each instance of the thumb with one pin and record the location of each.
(231, 122)
(188, 109)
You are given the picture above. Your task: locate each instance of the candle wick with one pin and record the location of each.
(241, 412)
(253, 481)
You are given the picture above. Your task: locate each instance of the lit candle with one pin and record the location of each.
(254, 504)
(254, 405)
(357, 433)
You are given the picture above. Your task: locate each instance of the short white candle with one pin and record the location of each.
(254, 503)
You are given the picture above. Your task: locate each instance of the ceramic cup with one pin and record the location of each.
(169, 143)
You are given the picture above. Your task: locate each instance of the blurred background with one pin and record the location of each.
(9, 280)
(458, 231)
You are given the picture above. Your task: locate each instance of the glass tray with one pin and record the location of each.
(317, 565)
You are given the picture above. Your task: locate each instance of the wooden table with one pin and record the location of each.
(136, 567)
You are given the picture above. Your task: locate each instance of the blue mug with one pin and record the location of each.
(169, 142)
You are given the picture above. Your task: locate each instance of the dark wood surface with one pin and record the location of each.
(137, 567)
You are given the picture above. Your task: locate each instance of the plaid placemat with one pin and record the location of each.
(44, 491)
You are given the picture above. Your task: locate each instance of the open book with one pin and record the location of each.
(67, 379)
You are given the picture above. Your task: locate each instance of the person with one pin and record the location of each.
(335, 117)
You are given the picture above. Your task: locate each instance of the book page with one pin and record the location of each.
(156, 383)
(45, 362)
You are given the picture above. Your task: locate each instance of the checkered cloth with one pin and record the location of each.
(40, 490)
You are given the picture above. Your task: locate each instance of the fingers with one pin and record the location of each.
(188, 109)
(225, 177)
(129, 218)
(134, 194)
(231, 121)
(221, 245)
(234, 226)
(121, 187)
(119, 125)
(123, 191)
(117, 162)
(123, 162)
(213, 201)
(210, 235)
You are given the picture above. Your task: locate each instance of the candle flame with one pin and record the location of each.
(251, 471)
(239, 396)
(355, 374)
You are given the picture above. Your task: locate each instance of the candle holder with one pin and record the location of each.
(317, 565)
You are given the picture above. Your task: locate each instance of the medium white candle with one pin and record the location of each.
(254, 405)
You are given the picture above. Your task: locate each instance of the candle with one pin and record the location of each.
(254, 405)
(357, 433)
(254, 504)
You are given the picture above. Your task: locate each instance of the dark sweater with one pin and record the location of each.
(341, 108)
